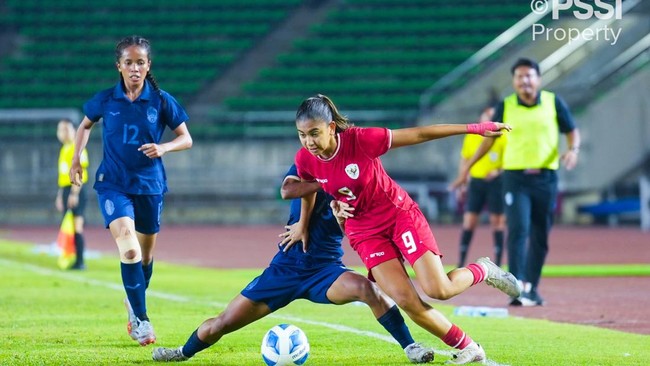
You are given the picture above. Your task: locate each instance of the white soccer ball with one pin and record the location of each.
(285, 344)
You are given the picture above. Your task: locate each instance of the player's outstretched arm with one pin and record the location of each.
(420, 134)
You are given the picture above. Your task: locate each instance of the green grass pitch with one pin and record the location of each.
(52, 317)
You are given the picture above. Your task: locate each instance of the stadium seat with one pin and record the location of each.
(378, 54)
(66, 49)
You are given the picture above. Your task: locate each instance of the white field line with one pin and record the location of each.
(76, 277)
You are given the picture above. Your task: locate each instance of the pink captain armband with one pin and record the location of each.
(480, 128)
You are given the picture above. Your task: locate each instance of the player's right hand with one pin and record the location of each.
(488, 128)
(295, 233)
(76, 173)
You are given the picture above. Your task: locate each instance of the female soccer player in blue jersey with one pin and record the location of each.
(130, 181)
(315, 273)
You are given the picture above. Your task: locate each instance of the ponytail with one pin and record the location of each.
(154, 83)
(321, 107)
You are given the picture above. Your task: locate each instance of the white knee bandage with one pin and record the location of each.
(129, 248)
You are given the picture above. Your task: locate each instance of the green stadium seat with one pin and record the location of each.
(367, 54)
(378, 54)
(66, 53)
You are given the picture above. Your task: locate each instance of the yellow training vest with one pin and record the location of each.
(65, 162)
(533, 141)
(492, 160)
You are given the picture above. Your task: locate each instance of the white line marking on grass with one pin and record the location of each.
(185, 299)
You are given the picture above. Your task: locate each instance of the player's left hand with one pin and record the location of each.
(152, 150)
(488, 129)
(295, 233)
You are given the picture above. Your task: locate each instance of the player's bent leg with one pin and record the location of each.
(240, 312)
(352, 286)
(438, 284)
(394, 281)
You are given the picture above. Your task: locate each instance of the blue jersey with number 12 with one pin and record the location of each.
(127, 125)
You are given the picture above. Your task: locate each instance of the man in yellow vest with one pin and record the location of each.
(530, 162)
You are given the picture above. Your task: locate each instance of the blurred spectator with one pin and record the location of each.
(484, 187)
(71, 196)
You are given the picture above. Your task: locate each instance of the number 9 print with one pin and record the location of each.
(348, 193)
(409, 242)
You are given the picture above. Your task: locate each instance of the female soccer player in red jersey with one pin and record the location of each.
(387, 225)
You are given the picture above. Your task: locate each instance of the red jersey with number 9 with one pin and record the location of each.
(354, 174)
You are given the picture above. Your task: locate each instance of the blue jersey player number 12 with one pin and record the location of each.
(131, 181)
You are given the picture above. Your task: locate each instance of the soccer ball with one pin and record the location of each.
(285, 344)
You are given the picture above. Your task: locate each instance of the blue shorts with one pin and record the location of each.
(280, 284)
(145, 210)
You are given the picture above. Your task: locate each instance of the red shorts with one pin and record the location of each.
(409, 238)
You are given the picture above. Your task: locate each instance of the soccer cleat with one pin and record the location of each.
(418, 354)
(130, 316)
(515, 301)
(162, 354)
(531, 298)
(139, 330)
(142, 331)
(472, 353)
(500, 279)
